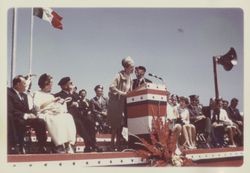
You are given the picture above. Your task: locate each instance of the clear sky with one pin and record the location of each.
(175, 43)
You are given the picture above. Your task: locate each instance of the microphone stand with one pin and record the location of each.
(157, 77)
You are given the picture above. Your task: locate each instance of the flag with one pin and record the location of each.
(49, 15)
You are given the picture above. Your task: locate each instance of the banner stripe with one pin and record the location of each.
(142, 110)
(147, 91)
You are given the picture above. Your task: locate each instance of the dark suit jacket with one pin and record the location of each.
(84, 106)
(16, 110)
(234, 115)
(215, 117)
(97, 107)
(137, 83)
(206, 110)
(64, 95)
(16, 107)
(72, 110)
(194, 111)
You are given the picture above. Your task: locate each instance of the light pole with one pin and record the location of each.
(227, 61)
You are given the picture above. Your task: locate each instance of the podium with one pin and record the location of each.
(143, 103)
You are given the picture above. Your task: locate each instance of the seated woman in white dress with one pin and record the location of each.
(172, 116)
(172, 120)
(60, 124)
(189, 130)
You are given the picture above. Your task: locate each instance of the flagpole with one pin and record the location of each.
(13, 52)
(31, 41)
(215, 78)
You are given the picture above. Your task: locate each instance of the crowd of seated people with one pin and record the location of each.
(69, 113)
(19, 116)
(63, 115)
(220, 124)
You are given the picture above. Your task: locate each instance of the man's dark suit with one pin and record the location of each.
(81, 122)
(17, 124)
(137, 82)
(97, 107)
(234, 115)
(203, 125)
(216, 133)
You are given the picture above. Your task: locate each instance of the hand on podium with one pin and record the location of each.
(124, 93)
(128, 93)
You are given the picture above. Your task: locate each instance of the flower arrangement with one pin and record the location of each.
(161, 150)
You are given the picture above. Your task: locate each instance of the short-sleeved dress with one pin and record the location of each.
(60, 124)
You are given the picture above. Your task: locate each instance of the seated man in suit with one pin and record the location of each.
(81, 122)
(234, 114)
(87, 117)
(209, 112)
(223, 124)
(20, 116)
(84, 104)
(99, 105)
(140, 79)
(198, 119)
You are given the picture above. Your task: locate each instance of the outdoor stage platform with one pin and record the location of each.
(202, 157)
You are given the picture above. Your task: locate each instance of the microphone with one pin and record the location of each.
(155, 76)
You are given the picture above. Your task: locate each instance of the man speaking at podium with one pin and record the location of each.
(140, 79)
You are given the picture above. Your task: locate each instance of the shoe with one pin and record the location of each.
(191, 147)
(97, 149)
(205, 146)
(232, 146)
(42, 150)
(70, 149)
(22, 150)
(60, 149)
(217, 145)
(177, 151)
(13, 150)
(111, 149)
(87, 150)
(186, 146)
(119, 148)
